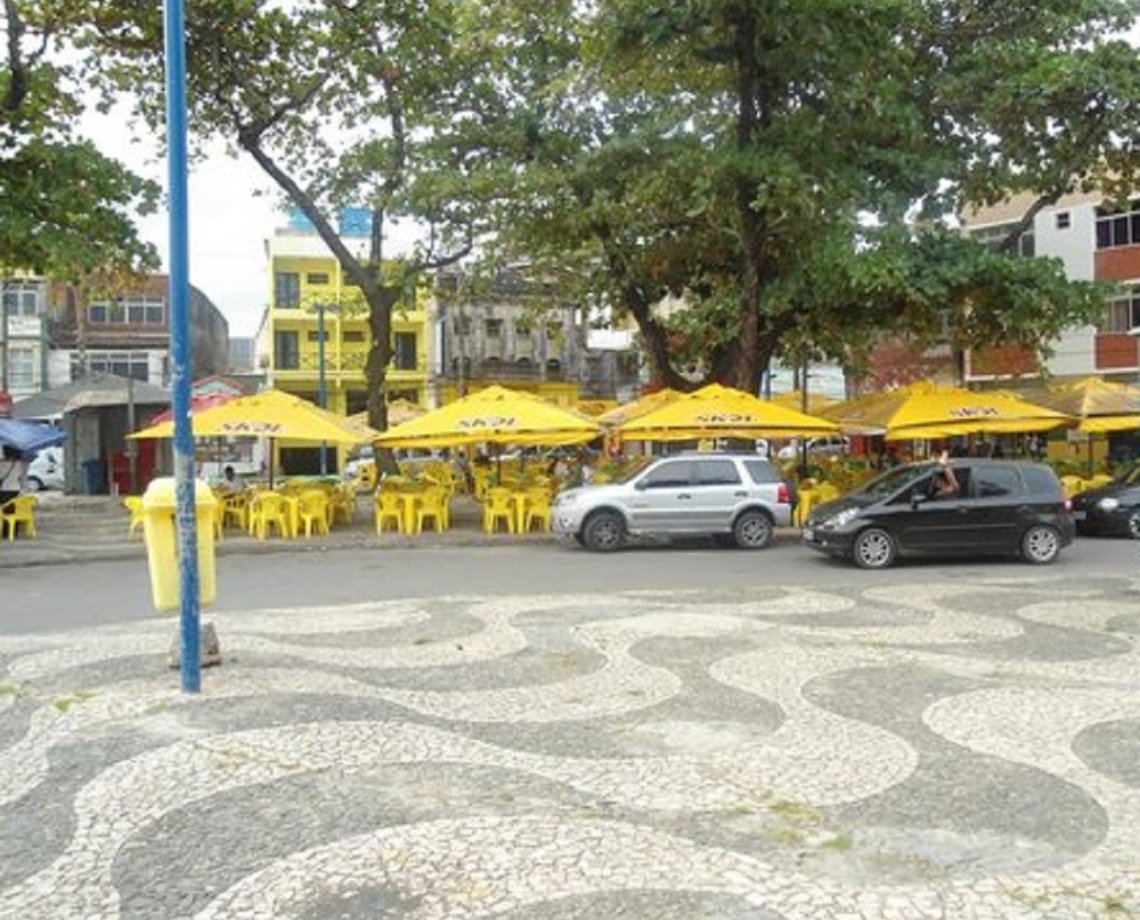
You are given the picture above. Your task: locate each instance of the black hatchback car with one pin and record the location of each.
(1001, 508)
(1113, 509)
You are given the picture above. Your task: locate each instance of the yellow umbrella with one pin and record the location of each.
(639, 407)
(794, 399)
(399, 411)
(716, 411)
(926, 410)
(1100, 405)
(271, 414)
(496, 415)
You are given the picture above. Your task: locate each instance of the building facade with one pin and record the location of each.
(514, 335)
(1094, 242)
(311, 298)
(127, 332)
(23, 336)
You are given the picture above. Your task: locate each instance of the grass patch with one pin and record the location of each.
(9, 689)
(789, 836)
(64, 703)
(795, 812)
(839, 842)
(420, 641)
(1116, 905)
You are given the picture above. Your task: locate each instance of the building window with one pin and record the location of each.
(462, 325)
(287, 290)
(404, 351)
(522, 327)
(494, 328)
(1064, 220)
(554, 367)
(553, 331)
(133, 364)
(994, 237)
(1118, 228)
(315, 336)
(317, 279)
(21, 368)
(286, 355)
(1124, 313)
(135, 310)
(22, 298)
(356, 336)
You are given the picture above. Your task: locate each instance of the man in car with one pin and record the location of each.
(943, 482)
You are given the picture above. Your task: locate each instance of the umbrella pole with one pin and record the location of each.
(271, 463)
(1091, 436)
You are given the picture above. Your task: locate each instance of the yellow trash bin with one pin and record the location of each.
(160, 507)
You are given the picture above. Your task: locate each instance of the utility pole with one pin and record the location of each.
(322, 394)
(3, 341)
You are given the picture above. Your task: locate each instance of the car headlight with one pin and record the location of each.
(844, 517)
(1108, 504)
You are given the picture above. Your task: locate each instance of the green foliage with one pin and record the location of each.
(796, 169)
(66, 209)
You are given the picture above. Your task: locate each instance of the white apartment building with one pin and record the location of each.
(1094, 242)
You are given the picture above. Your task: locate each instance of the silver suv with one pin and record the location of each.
(731, 497)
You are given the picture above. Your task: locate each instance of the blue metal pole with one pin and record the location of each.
(179, 297)
(322, 395)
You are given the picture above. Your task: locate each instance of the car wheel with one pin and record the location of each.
(1134, 524)
(1040, 545)
(34, 484)
(604, 532)
(752, 530)
(874, 548)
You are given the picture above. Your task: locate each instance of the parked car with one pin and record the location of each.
(1001, 507)
(46, 470)
(826, 446)
(732, 497)
(1111, 509)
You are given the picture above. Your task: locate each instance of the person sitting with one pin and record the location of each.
(231, 482)
(943, 482)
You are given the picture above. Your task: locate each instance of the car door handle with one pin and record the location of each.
(740, 494)
(683, 495)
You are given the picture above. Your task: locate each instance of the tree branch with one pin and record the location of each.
(17, 68)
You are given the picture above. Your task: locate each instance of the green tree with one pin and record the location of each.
(331, 98)
(66, 210)
(793, 168)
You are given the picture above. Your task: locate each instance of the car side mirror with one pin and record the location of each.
(918, 498)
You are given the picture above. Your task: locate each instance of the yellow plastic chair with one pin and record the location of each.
(235, 509)
(269, 510)
(389, 508)
(432, 508)
(498, 506)
(537, 509)
(343, 504)
(805, 499)
(313, 511)
(134, 504)
(1073, 485)
(1100, 479)
(827, 492)
(17, 511)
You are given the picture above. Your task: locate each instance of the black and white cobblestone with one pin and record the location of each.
(931, 750)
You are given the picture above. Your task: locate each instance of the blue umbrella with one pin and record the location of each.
(29, 437)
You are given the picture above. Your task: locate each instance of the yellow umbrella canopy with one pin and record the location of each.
(717, 411)
(399, 411)
(794, 399)
(270, 414)
(495, 415)
(639, 407)
(927, 410)
(1100, 405)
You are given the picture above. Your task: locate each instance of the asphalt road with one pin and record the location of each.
(61, 597)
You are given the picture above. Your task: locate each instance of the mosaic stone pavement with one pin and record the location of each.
(925, 750)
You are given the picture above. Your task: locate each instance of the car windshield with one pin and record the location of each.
(1130, 477)
(638, 466)
(891, 481)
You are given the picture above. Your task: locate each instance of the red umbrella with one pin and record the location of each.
(197, 404)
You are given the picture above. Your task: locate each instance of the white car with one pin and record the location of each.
(46, 470)
(830, 446)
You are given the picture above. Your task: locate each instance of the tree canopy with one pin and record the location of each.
(66, 209)
(793, 169)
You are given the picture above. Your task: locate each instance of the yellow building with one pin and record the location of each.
(308, 289)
